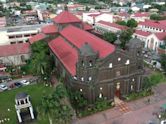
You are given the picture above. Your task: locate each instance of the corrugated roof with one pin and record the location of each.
(36, 38)
(66, 17)
(14, 49)
(65, 53)
(78, 38)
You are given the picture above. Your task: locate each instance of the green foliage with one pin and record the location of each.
(153, 80)
(77, 99)
(110, 37)
(157, 17)
(100, 105)
(86, 1)
(40, 63)
(56, 107)
(132, 23)
(7, 101)
(163, 61)
(134, 96)
(125, 36)
(122, 23)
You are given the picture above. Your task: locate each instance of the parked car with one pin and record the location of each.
(25, 82)
(17, 84)
(163, 122)
(3, 87)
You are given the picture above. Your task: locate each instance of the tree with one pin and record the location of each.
(121, 23)
(132, 23)
(163, 61)
(77, 99)
(157, 17)
(125, 36)
(40, 63)
(56, 107)
(110, 37)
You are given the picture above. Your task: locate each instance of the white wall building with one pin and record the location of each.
(103, 26)
(140, 17)
(94, 17)
(15, 54)
(18, 34)
(151, 26)
(151, 41)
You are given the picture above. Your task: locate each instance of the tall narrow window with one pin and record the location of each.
(110, 65)
(90, 63)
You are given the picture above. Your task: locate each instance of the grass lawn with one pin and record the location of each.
(7, 101)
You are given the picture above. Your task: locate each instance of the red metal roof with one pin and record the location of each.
(94, 14)
(125, 14)
(14, 49)
(36, 38)
(163, 22)
(161, 36)
(142, 33)
(121, 27)
(49, 29)
(65, 53)
(66, 17)
(78, 38)
(143, 14)
(153, 24)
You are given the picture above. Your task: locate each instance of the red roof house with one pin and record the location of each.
(142, 33)
(14, 49)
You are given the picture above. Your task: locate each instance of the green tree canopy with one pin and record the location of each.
(122, 23)
(56, 106)
(163, 61)
(157, 17)
(125, 36)
(110, 37)
(132, 23)
(40, 63)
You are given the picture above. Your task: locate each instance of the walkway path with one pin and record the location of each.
(135, 112)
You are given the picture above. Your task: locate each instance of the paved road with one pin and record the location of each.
(136, 112)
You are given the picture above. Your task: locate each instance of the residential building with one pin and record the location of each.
(152, 41)
(18, 34)
(14, 54)
(94, 17)
(91, 65)
(103, 26)
(140, 16)
(152, 26)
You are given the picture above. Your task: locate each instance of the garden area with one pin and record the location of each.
(84, 108)
(7, 102)
(149, 82)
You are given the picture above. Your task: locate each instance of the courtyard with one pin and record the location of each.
(7, 102)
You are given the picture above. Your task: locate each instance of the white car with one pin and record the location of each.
(25, 82)
(3, 87)
(163, 122)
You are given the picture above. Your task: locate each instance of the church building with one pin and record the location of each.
(91, 65)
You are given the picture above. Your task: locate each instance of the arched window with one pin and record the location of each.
(90, 63)
(82, 62)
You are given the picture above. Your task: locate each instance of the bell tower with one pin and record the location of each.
(86, 65)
